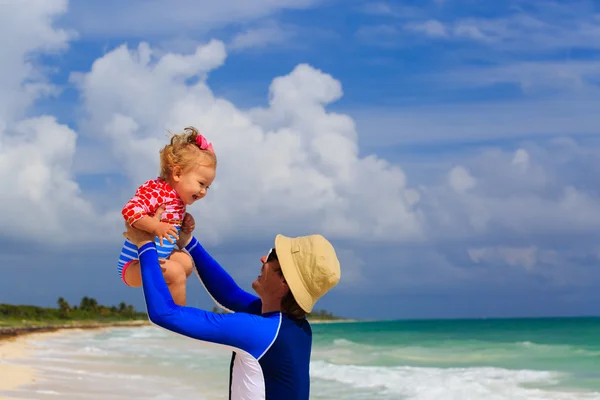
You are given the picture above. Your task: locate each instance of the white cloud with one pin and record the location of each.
(521, 159)
(551, 196)
(540, 77)
(524, 257)
(26, 30)
(41, 199)
(292, 162)
(378, 8)
(460, 179)
(539, 28)
(268, 35)
(558, 94)
(293, 166)
(136, 99)
(430, 27)
(45, 203)
(382, 35)
(480, 122)
(113, 18)
(391, 9)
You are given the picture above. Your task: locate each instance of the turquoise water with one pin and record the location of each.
(557, 356)
(467, 359)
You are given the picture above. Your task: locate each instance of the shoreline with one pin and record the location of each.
(13, 349)
(16, 345)
(8, 332)
(13, 376)
(331, 321)
(11, 332)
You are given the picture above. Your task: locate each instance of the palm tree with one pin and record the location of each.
(85, 303)
(63, 307)
(93, 304)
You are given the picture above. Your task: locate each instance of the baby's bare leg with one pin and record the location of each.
(175, 278)
(179, 269)
(174, 272)
(133, 275)
(184, 260)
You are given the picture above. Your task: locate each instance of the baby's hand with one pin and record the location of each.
(165, 231)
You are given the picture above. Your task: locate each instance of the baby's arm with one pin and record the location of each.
(139, 211)
(149, 224)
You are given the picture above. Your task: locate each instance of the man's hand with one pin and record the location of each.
(187, 227)
(188, 224)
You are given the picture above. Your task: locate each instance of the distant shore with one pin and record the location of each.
(18, 330)
(331, 321)
(23, 319)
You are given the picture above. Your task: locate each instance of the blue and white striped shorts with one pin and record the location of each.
(129, 252)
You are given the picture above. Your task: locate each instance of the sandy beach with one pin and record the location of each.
(17, 343)
(12, 349)
(17, 347)
(101, 362)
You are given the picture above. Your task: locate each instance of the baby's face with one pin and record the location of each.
(192, 185)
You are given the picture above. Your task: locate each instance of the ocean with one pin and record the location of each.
(513, 359)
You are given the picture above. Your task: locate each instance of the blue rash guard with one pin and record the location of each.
(271, 351)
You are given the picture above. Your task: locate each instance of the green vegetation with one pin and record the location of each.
(88, 311)
(320, 315)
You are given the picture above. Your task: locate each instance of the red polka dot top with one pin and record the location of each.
(151, 195)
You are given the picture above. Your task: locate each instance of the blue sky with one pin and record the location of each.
(447, 148)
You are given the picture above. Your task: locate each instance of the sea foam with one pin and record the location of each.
(416, 383)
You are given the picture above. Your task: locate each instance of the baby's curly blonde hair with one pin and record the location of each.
(183, 151)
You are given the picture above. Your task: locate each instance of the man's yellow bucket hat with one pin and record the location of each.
(310, 267)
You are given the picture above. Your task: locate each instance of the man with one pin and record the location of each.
(269, 334)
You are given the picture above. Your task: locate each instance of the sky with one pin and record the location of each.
(446, 148)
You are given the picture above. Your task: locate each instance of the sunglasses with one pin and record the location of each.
(272, 255)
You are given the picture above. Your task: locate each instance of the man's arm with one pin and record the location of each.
(219, 284)
(251, 333)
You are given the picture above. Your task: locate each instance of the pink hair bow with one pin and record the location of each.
(204, 144)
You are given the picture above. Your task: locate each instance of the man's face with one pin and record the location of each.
(270, 282)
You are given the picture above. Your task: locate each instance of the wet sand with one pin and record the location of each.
(12, 374)
(16, 344)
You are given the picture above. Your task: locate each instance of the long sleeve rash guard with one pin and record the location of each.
(270, 352)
